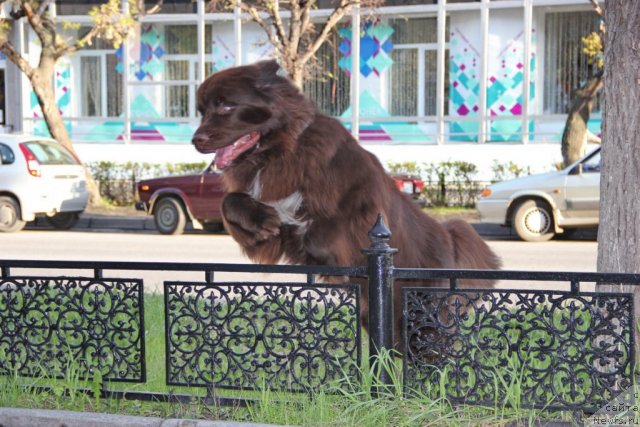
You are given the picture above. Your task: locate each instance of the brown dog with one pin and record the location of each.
(302, 190)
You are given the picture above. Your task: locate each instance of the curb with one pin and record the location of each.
(14, 417)
(102, 222)
(141, 223)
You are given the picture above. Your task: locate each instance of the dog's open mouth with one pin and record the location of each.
(226, 155)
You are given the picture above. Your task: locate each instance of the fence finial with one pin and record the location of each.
(379, 233)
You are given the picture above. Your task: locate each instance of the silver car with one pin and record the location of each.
(540, 206)
(39, 176)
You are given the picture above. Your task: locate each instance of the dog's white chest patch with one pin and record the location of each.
(286, 208)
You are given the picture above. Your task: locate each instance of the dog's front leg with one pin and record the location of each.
(249, 221)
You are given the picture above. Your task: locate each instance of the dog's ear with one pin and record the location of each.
(268, 73)
(268, 68)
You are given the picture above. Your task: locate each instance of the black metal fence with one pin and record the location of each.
(572, 350)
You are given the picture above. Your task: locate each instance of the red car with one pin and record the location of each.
(176, 200)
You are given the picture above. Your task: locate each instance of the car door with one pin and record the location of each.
(211, 194)
(582, 190)
(8, 172)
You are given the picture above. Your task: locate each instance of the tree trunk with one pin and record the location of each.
(574, 137)
(41, 82)
(619, 231)
(43, 89)
(296, 74)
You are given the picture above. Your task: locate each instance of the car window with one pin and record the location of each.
(51, 153)
(592, 164)
(6, 155)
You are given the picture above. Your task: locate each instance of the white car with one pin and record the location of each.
(540, 206)
(39, 176)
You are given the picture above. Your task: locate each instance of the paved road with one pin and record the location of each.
(138, 245)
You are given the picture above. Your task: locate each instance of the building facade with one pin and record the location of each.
(485, 80)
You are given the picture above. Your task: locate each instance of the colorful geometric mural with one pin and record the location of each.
(146, 54)
(221, 55)
(375, 46)
(464, 75)
(504, 87)
(146, 51)
(143, 128)
(398, 132)
(62, 91)
(505, 91)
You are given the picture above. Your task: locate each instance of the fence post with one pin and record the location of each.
(380, 273)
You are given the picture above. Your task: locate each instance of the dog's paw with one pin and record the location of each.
(269, 228)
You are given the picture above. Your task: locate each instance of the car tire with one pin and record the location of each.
(533, 221)
(10, 217)
(63, 220)
(169, 216)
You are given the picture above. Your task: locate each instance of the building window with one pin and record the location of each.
(99, 62)
(177, 99)
(181, 68)
(183, 39)
(413, 81)
(328, 85)
(82, 7)
(91, 91)
(566, 67)
(114, 86)
(100, 96)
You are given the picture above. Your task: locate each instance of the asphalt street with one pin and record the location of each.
(119, 240)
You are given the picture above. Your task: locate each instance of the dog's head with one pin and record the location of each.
(241, 105)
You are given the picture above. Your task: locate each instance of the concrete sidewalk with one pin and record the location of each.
(14, 417)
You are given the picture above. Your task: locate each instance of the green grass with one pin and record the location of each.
(343, 402)
(451, 211)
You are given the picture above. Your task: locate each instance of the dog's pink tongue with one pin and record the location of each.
(226, 155)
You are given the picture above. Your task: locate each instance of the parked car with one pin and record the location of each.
(175, 201)
(540, 206)
(38, 176)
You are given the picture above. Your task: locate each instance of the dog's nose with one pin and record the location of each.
(199, 139)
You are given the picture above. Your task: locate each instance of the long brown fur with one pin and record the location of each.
(343, 186)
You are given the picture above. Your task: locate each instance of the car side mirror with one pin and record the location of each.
(577, 170)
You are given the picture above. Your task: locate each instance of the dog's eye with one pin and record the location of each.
(225, 108)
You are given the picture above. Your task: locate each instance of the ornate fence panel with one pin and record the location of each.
(254, 335)
(50, 325)
(560, 350)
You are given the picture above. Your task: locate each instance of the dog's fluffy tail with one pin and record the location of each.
(470, 251)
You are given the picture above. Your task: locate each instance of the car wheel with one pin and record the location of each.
(64, 220)
(10, 215)
(169, 216)
(533, 222)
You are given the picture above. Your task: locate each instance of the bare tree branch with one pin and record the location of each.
(257, 18)
(272, 8)
(142, 12)
(43, 7)
(334, 18)
(13, 55)
(295, 26)
(598, 8)
(79, 43)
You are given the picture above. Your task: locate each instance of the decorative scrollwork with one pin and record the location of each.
(51, 325)
(563, 350)
(251, 335)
